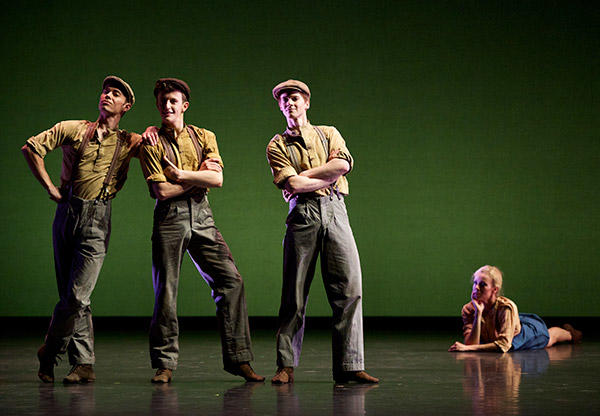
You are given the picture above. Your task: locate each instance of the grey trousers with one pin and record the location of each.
(182, 225)
(81, 231)
(320, 226)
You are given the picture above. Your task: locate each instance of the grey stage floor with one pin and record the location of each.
(418, 377)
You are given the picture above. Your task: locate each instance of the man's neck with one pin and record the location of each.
(296, 123)
(178, 126)
(109, 121)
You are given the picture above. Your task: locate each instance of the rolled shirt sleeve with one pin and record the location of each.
(505, 328)
(210, 147)
(468, 318)
(61, 133)
(338, 149)
(151, 163)
(280, 164)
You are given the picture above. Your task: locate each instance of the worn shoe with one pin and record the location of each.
(80, 373)
(244, 370)
(356, 376)
(163, 375)
(284, 375)
(576, 336)
(47, 363)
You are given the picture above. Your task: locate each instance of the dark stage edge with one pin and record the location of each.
(36, 324)
(419, 377)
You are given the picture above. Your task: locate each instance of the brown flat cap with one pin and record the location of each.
(120, 84)
(172, 84)
(290, 84)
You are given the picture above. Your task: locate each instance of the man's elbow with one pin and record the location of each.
(217, 181)
(293, 184)
(26, 151)
(343, 166)
(160, 193)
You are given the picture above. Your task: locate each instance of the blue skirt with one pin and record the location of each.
(534, 333)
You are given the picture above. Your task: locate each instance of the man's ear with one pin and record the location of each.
(126, 107)
(185, 106)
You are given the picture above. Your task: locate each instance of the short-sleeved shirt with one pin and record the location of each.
(499, 326)
(94, 163)
(183, 148)
(309, 152)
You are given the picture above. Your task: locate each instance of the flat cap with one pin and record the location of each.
(120, 84)
(290, 84)
(172, 84)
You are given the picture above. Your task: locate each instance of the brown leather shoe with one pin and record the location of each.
(576, 336)
(284, 375)
(163, 375)
(356, 376)
(244, 370)
(80, 373)
(47, 363)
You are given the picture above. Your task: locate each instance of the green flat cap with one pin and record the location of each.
(290, 84)
(120, 84)
(172, 84)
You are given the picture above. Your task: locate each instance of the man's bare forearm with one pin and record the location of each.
(168, 190)
(38, 168)
(301, 184)
(203, 178)
(330, 171)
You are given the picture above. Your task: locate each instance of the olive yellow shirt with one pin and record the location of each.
(95, 161)
(499, 326)
(151, 157)
(310, 153)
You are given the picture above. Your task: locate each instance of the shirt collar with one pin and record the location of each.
(301, 132)
(169, 132)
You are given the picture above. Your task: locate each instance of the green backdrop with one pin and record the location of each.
(474, 126)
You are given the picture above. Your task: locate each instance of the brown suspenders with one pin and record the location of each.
(296, 163)
(194, 137)
(87, 136)
(292, 153)
(111, 169)
(170, 154)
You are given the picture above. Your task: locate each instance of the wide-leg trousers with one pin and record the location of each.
(81, 231)
(187, 224)
(319, 225)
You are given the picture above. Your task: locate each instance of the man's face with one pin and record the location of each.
(293, 104)
(113, 101)
(171, 106)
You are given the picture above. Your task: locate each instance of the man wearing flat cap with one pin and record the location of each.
(309, 164)
(96, 158)
(179, 170)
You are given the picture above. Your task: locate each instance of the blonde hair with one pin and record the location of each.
(493, 273)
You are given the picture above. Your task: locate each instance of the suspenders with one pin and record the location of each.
(292, 153)
(111, 169)
(169, 154)
(87, 136)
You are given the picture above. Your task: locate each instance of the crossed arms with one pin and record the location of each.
(210, 175)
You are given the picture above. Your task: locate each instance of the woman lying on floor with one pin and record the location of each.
(493, 323)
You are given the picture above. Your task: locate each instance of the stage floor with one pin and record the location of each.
(419, 377)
